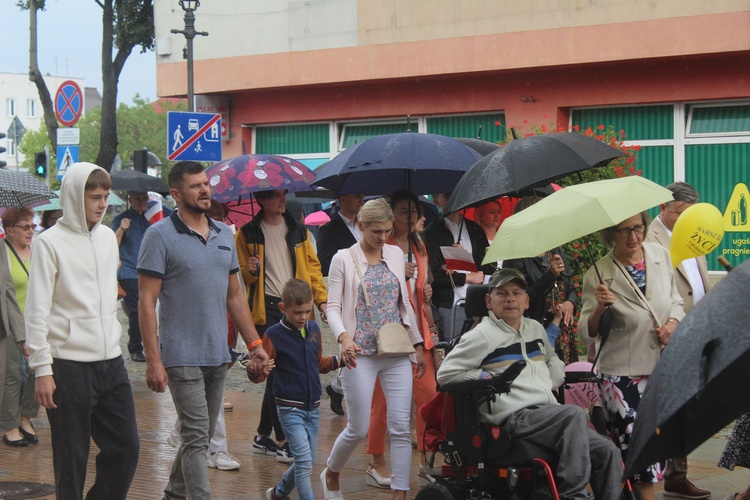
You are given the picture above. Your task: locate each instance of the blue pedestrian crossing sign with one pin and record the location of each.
(66, 156)
(193, 136)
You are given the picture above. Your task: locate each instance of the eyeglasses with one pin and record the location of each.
(26, 227)
(625, 231)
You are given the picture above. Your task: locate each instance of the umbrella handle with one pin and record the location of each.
(604, 333)
(575, 266)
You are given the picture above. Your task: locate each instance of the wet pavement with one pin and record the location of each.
(156, 415)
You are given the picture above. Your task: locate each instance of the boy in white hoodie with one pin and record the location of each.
(73, 337)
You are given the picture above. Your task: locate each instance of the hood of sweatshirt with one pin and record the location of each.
(72, 198)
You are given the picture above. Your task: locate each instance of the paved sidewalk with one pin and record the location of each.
(156, 416)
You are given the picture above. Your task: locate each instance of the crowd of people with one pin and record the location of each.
(192, 284)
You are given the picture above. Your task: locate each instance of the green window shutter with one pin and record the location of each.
(720, 119)
(292, 139)
(714, 170)
(493, 126)
(640, 123)
(656, 163)
(354, 134)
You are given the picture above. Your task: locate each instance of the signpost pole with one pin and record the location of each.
(189, 32)
(46, 155)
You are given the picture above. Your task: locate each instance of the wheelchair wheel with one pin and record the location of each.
(435, 491)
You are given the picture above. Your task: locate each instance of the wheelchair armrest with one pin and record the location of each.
(447, 345)
(498, 384)
(580, 377)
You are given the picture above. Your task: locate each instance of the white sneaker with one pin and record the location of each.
(174, 442)
(222, 460)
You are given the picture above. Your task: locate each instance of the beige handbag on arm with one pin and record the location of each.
(393, 339)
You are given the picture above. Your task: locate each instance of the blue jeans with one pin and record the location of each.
(301, 431)
(197, 392)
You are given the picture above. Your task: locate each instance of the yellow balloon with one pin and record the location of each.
(698, 231)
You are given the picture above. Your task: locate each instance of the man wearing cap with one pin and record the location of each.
(530, 411)
(129, 228)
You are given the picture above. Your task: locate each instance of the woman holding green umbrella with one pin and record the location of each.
(635, 281)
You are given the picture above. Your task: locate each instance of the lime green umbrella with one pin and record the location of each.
(54, 204)
(571, 213)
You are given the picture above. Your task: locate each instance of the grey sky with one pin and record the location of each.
(69, 45)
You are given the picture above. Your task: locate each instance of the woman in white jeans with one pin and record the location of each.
(355, 325)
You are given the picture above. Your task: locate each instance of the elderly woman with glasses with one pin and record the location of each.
(18, 404)
(635, 281)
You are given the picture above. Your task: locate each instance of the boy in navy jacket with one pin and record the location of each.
(295, 347)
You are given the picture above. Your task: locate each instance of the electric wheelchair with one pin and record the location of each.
(481, 460)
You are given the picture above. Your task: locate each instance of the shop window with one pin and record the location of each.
(708, 120)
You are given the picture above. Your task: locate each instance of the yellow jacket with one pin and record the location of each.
(305, 263)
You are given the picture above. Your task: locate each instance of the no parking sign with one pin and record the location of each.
(68, 103)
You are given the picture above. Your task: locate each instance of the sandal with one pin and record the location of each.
(375, 479)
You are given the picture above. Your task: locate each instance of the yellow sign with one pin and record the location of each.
(737, 214)
(698, 231)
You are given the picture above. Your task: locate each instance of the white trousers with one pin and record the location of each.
(395, 376)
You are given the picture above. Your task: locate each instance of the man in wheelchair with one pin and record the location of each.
(530, 412)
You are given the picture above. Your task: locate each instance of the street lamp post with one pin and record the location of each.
(189, 6)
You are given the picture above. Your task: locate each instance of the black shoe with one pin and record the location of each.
(31, 438)
(17, 442)
(138, 357)
(336, 400)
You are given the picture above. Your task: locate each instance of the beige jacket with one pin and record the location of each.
(657, 233)
(633, 346)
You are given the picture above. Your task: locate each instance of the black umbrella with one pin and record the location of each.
(526, 163)
(19, 189)
(133, 180)
(700, 384)
(482, 147)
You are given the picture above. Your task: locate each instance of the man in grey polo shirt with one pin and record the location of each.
(189, 263)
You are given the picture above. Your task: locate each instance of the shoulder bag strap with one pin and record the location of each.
(361, 278)
(17, 257)
(638, 291)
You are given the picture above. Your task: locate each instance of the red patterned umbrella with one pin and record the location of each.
(237, 178)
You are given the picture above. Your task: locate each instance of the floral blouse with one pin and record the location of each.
(383, 290)
(638, 273)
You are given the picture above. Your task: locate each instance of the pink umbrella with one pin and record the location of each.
(317, 218)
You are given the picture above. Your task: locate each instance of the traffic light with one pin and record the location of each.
(40, 164)
(140, 160)
(2, 150)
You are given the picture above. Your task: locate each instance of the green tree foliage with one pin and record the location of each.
(141, 125)
(126, 25)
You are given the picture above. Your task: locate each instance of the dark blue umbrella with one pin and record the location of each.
(421, 163)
